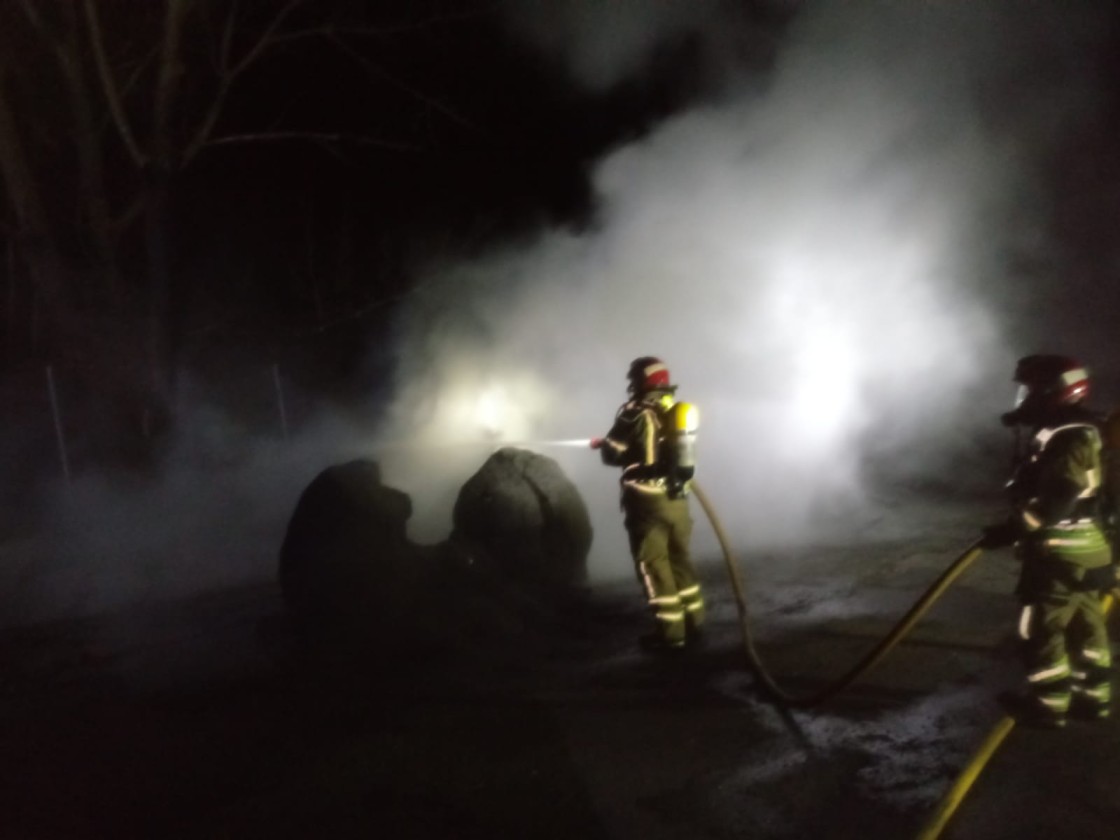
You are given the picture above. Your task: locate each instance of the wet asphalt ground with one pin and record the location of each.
(209, 718)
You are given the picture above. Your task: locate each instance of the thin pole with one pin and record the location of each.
(280, 400)
(58, 424)
(10, 264)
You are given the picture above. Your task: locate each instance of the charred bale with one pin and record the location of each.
(346, 561)
(525, 520)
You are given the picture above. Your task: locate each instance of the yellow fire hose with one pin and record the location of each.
(971, 772)
(771, 687)
(957, 792)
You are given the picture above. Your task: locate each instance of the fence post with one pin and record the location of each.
(10, 273)
(58, 424)
(280, 400)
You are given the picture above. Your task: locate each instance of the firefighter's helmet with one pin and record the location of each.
(1048, 383)
(648, 373)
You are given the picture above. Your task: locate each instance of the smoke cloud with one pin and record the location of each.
(839, 248)
(829, 259)
(213, 516)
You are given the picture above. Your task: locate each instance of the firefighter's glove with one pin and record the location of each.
(596, 443)
(1000, 535)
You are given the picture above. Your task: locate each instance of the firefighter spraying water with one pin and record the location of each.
(653, 439)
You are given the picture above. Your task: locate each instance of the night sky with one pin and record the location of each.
(462, 132)
(839, 222)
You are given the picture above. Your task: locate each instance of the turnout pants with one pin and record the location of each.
(1066, 644)
(659, 529)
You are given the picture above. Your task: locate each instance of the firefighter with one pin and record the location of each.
(652, 440)
(1055, 526)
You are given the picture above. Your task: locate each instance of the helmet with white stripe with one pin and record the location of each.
(1048, 382)
(648, 373)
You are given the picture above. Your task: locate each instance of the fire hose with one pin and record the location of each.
(947, 807)
(869, 661)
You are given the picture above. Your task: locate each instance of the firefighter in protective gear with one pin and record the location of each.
(1055, 526)
(652, 440)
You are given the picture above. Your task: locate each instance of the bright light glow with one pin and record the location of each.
(471, 400)
(492, 411)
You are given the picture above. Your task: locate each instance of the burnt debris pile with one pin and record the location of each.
(520, 515)
(515, 560)
(346, 562)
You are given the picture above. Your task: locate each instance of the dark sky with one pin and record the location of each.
(483, 135)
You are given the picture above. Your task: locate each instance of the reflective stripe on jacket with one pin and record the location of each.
(1058, 505)
(635, 442)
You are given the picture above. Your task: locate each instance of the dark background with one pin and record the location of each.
(381, 131)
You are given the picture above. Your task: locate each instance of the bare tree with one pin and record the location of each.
(104, 104)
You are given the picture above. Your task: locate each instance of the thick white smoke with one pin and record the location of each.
(214, 516)
(840, 260)
(821, 265)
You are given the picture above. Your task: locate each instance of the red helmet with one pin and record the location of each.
(1048, 382)
(648, 373)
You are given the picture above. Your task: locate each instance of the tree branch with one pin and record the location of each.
(264, 42)
(167, 81)
(432, 22)
(109, 86)
(324, 138)
(227, 40)
(418, 94)
(229, 74)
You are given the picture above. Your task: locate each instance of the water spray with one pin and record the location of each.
(582, 443)
(485, 442)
